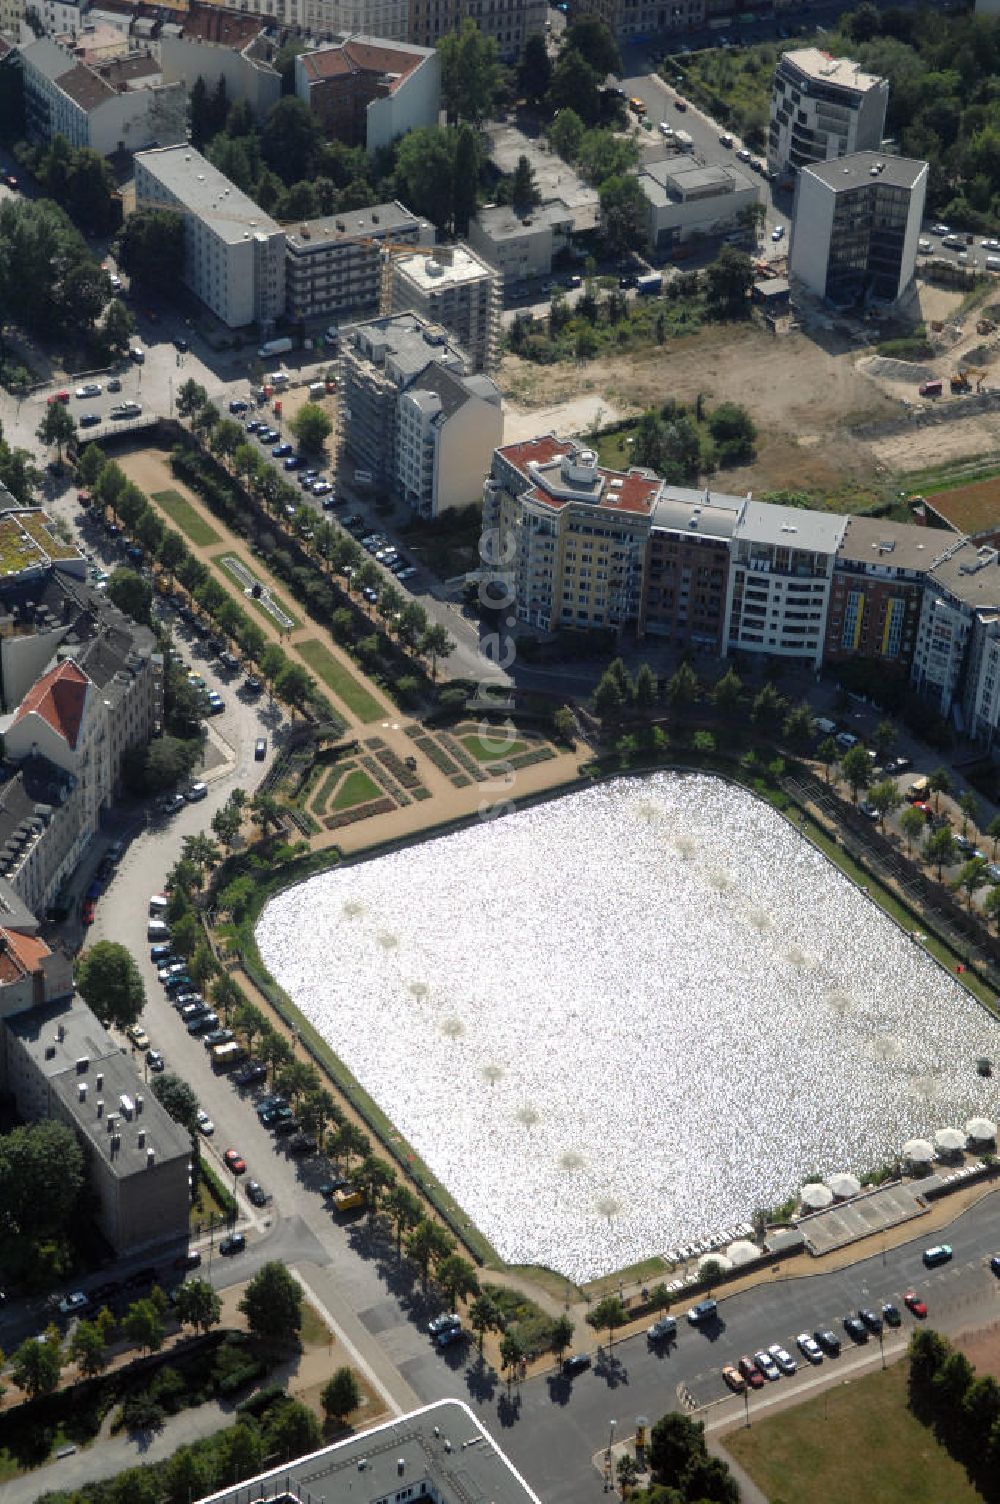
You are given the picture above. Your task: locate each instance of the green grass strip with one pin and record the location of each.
(350, 691)
(357, 788)
(190, 522)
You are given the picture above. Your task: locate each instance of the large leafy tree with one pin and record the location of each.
(132, 594)
(197, 1305)
(291, 139)
(535, 69)
(470, 72)
(50, 283)
(150, 247)
(41, 1177)
(624, 214)
(728, 282)
(56, 428)
(272, 1304)
(35, 1366)
(341, 1394)
(574, 86)
(110, 983)
(312, 427)
(425, 166)
(591, 37)
(177, 1098)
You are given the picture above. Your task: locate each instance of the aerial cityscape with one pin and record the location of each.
(500, 769)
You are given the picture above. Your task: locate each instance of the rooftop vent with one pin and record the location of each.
(100, 1080)
(150, 1157)
(100, 1108)
(81, 1091)
(82, 1064)
(141, 1137)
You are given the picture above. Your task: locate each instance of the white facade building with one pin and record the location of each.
(521, 246)
(120, 105)
(214, 43)
(823, 107)
(688, 198)
(956, 662)
(234, 253)
(856, 227)
(457, 289)
(780, 574)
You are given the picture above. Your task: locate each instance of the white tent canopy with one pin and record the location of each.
(844, 1186)
(718, 1259)
(742, 1251)
(982, 1130)
(918, 1150)
(816, 1196)
(949, 1141)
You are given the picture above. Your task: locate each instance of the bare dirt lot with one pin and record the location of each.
(923, 448)
(802, 396)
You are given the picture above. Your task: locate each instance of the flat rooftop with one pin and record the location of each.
(444, 267)
(501, 222)
(971, 573)
(862, 168)
(673, 179)
(697, 513)
(192, 180)
(790, 527)
(894, 545)
(440, 1452)
(840, 71)
(554, 178)
(358, 224)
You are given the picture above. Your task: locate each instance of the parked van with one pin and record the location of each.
(157, 930)
(225, 1056)
(348, 1199)
(993, 263)
(158, 905)
(823, 726)
(317, 388)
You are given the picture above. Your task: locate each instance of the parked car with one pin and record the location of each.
(189, 1260)
(704, 1312)
(783, 1358)
(995, 1263)
(871, 1320)
(828, 1341)
(750, 1372)
(89, 389)
(766, 1364)
(75, 1301)
(138, 1036)
(235, 1243)
(913, 1302)
(90, 420)
(443, 1323)
(260, 748)
(939, 1254)
(156, 1062)
(809, 1348)
(855, 1329)
(205, 1124)
(195, 792)
(890, 1314)
(574, 1364)
(235, 1162)
(735, 1380)
(256, 1193)
(663, 1330)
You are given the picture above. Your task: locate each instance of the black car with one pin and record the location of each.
(574, 1364)
(855, 1329)
(871, 1320)
(248, 1074)
(238, 405)
(235, 1243)
(139, 1278)
(256, 1193)
(828, 1341)
(181, 345)
(890, 1314)
(303, 1143)
(285, 1126)
(252, 685)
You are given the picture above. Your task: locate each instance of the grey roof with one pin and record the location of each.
(207, 192)
(442, 1444)
(440, 383)
(357, 224)
(442, 268)
(405, 340)
(855, 171)
(72, 1049)
(14, 912)
(484, 387)
(679, 509)
(894, 545)
(502, 223)
(971, 573)
(841, 72)
(791, 527)
(671, 179)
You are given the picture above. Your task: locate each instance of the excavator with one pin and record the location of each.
(961, 381)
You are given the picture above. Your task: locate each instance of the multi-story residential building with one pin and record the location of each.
(877, 594)
(11, 16)
(43, 829)
(211, 43)
(121, 105)
(453, 287)
(234, 253)
(413, 418)
(823, 107)
(628, 18)
(59, 1063)
(422, 22)
(689, 199)
(334, 266)
(521, 245)
(574, 534)
(367, 91)
(687, 568)
(55, 17)
(956, 663)
(780, 577)
(856, 227)
(31, 975)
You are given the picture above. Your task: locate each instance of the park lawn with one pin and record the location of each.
(482, 751)
(859, 1438)
(314, 1331)
(252, 600)
(190, 522)
(357, 788)
(350, 691)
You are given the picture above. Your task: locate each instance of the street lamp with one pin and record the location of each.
(611, 1438)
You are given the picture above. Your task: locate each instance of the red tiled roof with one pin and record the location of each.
(20, 954)
(229, 28)
(360, 57)
(59, 698)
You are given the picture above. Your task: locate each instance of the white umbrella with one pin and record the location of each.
(816, 1196)
(844, 1186)
(742, 1251)
(982, 1130)
(949, 1141)
(919, 1151)
(718, 1259)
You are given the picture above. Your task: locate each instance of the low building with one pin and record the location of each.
(60, 1064)
(521, 245)
(573, 534)
(234, 253)
(823, 107)
(122, 105)
(334, 266)
(453, 287)
(413, 417)
(877, 594)
(856, 227)
(689, 199)
(367, 91)
(441, 1452)
(687, 568)
(212, 44)
(780, 578)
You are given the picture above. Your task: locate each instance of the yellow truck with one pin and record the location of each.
(348, 1199)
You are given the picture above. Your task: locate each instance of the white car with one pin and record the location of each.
(778, 233)
(74, 1302)
(783, 1358)
(940, 229)
(89, 389)
(809, 1347)
(205, 1124)
(990, 245)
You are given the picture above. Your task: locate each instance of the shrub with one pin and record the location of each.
(141, 1412)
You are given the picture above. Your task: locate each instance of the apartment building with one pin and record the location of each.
(956, 663)
(575, 534)
(234, 253)
(413, 417)
(877, 594)
(458, 290)
(522, 245)
(59, 1063)
(420, 22)
(638, 18)
(367, 91)
(210, 43)
(780, 577)
(856, 227)
(687, 568)
(121, 105)
(823, 107)
(334, 265)
(689, 199)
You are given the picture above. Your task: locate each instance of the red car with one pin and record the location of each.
(89, 908)
(924, 809)
(58, 397)
(235, 1161)
(751, 1372)
(913, 1303)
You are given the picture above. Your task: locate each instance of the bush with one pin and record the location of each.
(141, 1412)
